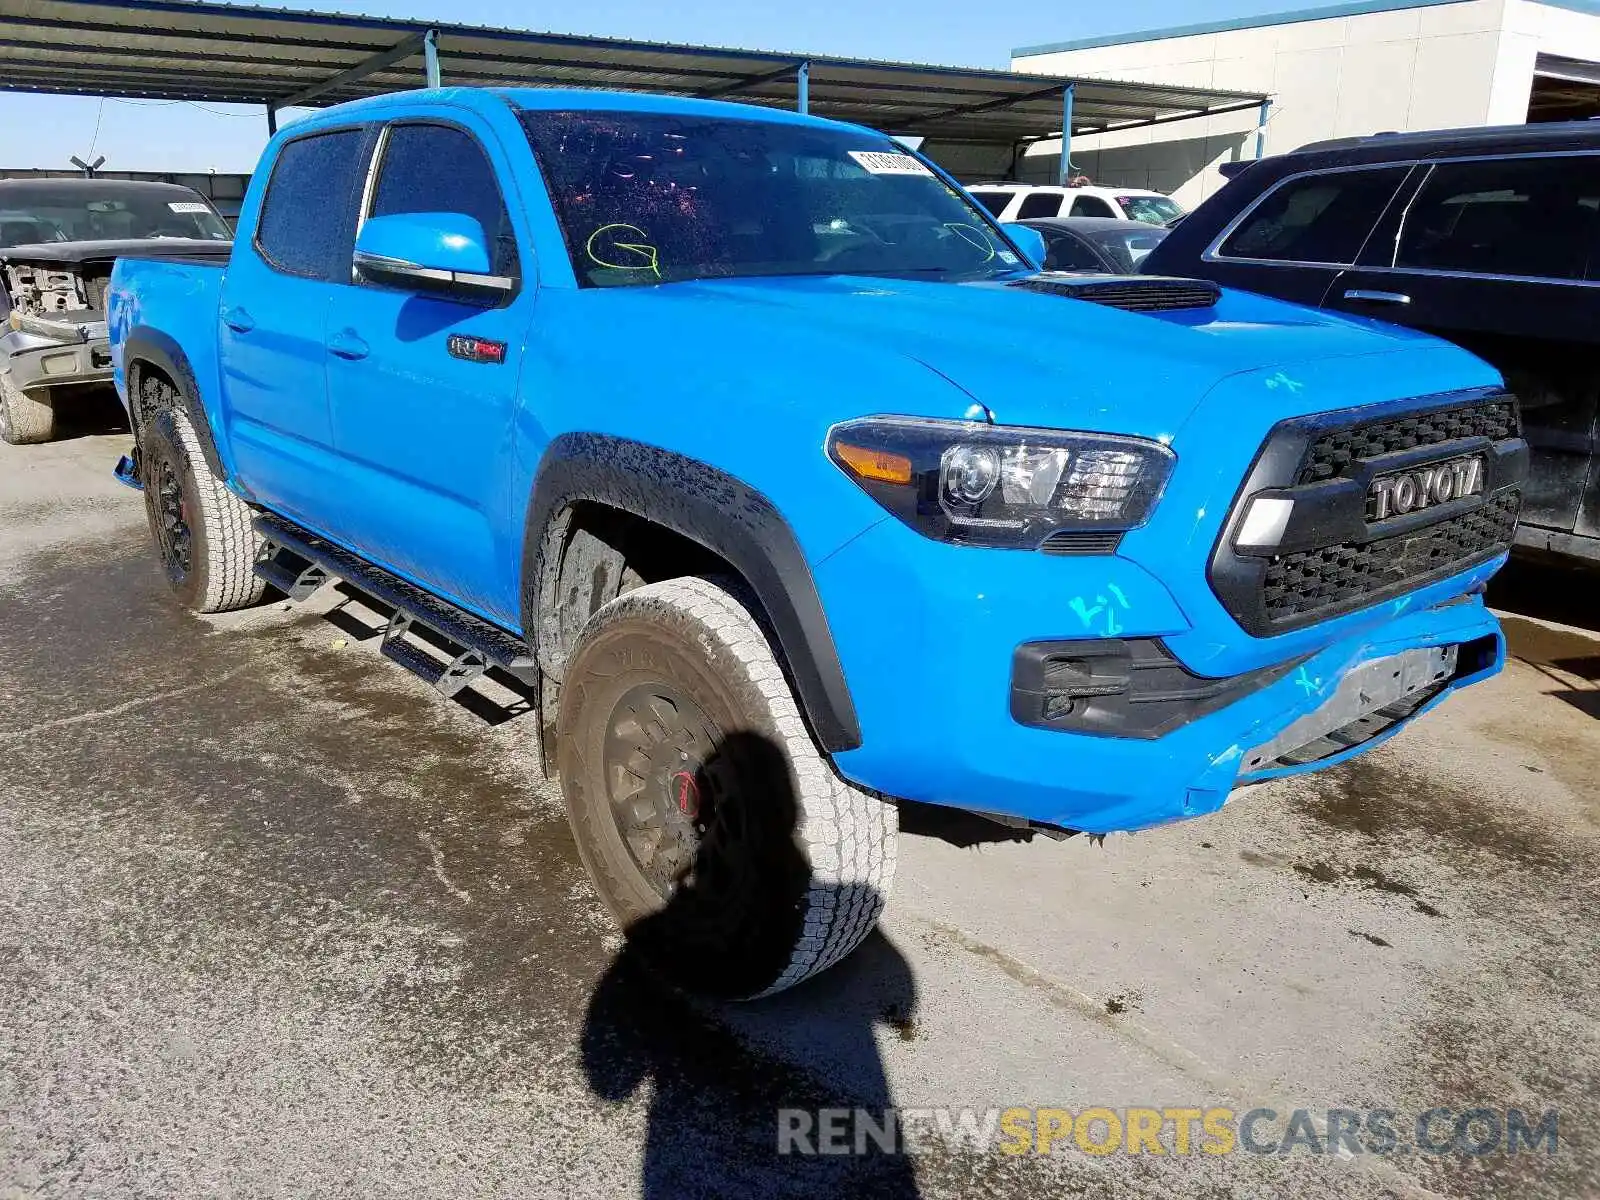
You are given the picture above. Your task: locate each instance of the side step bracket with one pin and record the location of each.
(292, 574)
(298, 562)
(448, 678)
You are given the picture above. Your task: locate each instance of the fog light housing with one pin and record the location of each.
(1264, 523)
(59, 364)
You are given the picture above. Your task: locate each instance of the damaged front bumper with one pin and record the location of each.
(1368, 699)
(1315, 712)
(37, 353)
(1347, 700)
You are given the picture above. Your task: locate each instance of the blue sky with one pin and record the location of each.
(144, 135)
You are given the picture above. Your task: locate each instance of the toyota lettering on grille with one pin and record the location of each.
(1402, 492)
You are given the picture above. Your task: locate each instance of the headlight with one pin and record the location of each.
(997, 485)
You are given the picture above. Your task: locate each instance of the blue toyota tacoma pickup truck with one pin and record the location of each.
(771, 467)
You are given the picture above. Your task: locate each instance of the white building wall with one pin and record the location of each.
(1417, 68)
(1529, 30)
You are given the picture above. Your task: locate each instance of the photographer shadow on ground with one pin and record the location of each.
(720, 1075)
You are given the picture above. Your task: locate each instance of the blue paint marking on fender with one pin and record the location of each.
(1100, 617)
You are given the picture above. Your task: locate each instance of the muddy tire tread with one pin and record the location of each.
(229, 540)
(849, 835)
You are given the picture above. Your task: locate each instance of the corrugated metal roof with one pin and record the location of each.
(181, 50)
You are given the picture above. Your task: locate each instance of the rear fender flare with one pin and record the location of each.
(146, 347)
(709, 507)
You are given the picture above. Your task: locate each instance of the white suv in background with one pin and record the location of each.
(1024, 201)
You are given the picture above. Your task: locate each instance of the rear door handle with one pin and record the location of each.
(1374, 297)
(238, 320)
(347, 344)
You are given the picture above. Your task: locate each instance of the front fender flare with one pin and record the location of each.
(715, 510)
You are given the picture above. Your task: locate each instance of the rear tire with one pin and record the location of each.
(716, 833)
(201, 530)
(24, 421)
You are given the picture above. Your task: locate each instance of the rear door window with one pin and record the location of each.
(439, 168)
(994, 202)
(1131, 249)
(1315, 219)
(1530, 217)
(1066, 253)
(308, 218)
(1039, 204)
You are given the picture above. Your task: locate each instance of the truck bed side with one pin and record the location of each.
(164, 311)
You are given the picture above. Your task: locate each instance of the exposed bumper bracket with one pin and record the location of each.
(1371, 698)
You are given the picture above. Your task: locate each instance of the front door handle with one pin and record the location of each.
(1374, 297)
(238, 320)
(347, 344)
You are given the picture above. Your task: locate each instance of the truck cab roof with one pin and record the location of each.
(557, 100)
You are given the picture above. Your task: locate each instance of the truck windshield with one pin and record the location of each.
(71, 212)
(647, 198)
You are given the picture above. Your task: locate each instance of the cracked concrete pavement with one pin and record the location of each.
(276, 921)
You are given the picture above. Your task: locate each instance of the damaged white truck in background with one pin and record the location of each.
(58, 241)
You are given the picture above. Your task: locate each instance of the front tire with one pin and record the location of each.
(716, 833)
(24, 421)
(201, 530)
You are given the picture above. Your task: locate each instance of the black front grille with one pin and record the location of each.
(1333, 558)
(1334, 453)
(1334, 576)
(1154, 293)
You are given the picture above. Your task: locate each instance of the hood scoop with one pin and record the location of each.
(1135, 293)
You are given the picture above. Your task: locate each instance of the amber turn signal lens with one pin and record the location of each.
(874, 464)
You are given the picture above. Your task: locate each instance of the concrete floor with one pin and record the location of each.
(274, 921)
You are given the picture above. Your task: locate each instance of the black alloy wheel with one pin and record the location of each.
(172, 522)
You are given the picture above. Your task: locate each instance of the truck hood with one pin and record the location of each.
(1053, 361)
(71, 253)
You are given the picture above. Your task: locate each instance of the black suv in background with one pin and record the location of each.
(1483, 236)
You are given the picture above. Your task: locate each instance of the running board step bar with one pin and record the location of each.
(298, 562)
(447, 678)
(295, 576)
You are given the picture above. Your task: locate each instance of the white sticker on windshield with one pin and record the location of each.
(1008, 258)
(887, 162)
(187, 206)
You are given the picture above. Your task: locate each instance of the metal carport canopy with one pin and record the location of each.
(181, 50)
